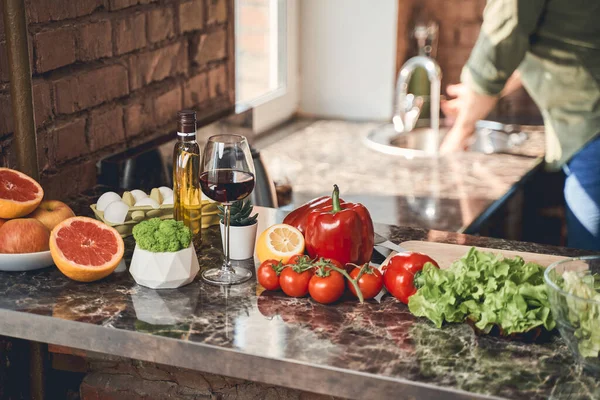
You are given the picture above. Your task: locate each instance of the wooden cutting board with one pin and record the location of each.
(445, 254)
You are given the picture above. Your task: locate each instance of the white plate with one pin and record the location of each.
(26, 261)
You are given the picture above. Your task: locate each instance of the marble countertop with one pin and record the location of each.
(448, 193)
(374, 350)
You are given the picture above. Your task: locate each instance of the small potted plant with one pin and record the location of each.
(242, 230)
(164, 255)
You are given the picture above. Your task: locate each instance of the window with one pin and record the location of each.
(266, 60)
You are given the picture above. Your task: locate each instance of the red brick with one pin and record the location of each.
(106, 128)
(468, 33)
(211, 47)
(152, 66)
(130, 33)
(94, 40)
(42, 102)
(166, 106)
(161, 24)
(4, 75)
(6, 122)
(69, 140)
(459, 10)
(119, 4)
(217, 11)
(45, 154)
(54, 49)
(448, 34)
(90, 88)
(217, 82)
(195, 90)
(139, 117)
(453, 56)
(45, 10)
(191, 16)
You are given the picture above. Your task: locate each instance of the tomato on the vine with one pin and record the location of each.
(326, 285)
(412, 262)
(399, 274)
(399, 282)
(268, 274)
(370, 282)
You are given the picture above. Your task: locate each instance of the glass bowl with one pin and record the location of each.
(574, 293)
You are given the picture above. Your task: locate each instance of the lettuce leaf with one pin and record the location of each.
(486, 288)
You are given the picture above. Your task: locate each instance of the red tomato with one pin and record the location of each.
(399, 282)
(299, 259)
(295, 284)
(268, 274)
(328, 287)
(370, 283)
(412, 262)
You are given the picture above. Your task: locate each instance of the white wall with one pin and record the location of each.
(347, 58)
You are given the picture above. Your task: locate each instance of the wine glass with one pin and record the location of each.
(226, 175)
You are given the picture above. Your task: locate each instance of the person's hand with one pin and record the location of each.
(453, 106)
(466, 108)
(456, 140)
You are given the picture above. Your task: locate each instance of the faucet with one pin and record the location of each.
(402, 99)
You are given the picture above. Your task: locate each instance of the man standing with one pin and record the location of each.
(552, 47)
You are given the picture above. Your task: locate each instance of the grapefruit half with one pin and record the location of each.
(85, 249)
(19, 194)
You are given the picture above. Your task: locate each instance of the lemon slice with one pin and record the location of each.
(279, 242)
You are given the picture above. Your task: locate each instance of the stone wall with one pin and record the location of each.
(459, 23)
(109, 75)
(116, 378)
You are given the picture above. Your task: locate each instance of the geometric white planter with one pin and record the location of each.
(241, 241)
(166, 270)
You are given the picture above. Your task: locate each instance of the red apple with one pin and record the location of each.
(2, 221)
(51, 213)
(24, 235)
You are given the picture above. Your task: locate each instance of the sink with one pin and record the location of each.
(490, 137)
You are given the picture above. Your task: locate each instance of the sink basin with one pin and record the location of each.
(490, 137)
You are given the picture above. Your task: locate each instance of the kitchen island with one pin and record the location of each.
(346, 350)
(457, 192)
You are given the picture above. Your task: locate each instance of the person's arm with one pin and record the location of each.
(500, 48)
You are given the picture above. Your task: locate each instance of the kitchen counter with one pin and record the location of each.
(449, 193)
(369, 351)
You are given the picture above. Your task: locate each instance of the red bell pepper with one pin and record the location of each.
(343, 232)
(297, 218)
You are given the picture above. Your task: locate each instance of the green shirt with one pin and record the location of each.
(555, 44)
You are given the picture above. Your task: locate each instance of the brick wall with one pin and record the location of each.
(459, 23)
(112, 74)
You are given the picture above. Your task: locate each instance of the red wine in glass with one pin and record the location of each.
(226, 185)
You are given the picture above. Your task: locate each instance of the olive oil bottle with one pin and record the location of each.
(187, 195)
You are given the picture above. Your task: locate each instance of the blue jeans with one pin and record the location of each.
(582, 197)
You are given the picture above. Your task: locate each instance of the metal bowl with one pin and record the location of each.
(575, 302)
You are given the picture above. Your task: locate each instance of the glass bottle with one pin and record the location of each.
(187, 195)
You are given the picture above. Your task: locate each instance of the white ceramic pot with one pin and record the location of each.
(241, 241)
(167, 270)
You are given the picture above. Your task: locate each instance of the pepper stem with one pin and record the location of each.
(335, 200)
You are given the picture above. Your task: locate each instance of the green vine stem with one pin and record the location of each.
(354, 282)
